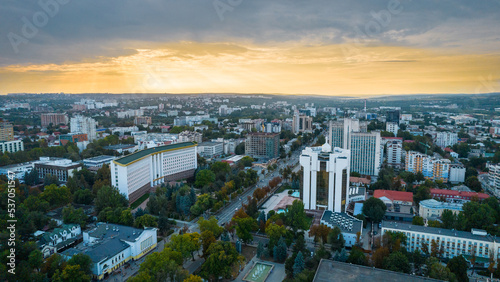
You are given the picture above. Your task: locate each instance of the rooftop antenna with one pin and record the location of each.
(365, 105)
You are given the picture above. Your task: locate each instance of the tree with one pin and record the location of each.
(240, 149)
(336, 239)
(50, 179)
(441, 272)
(35, 259)
(72, 215)
(295, 216)
(204, 177)
(379, 256)
(246, 161)
(186, 244)
(279, 251)
(223, 260)
(56, 196)
(374, 209)
(419, 176)
(243, 228)
(84, 261)
(423, 193)
(275, 232)
(193, 278)
(458, 265)
(71, 273)
(299, 264)
(357, 256)
(162, 266)
(398, 262)
(146, 220)
(207, 238)
(260, 250)
(418, 220)
(212, 224)
(473, 183)
(448, 218)
(320, 232)
(202, 204)
(109, 197)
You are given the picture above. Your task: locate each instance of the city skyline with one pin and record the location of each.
(365, 48)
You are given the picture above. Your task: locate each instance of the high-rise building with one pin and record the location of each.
(431, 167)
(445, 139)
(6, 131)
(144, 120)
(340, 131)
(365, 152)
(135, 174)
(326, 178)
(87, 125)
(392, 127)
(262, 145)
(54, 118)
(393, 116)
(394, 152)
(364, 146)
(301, 123)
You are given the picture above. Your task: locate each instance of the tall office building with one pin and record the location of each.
(393, 116)
(135, 174)
(87, 125)
(54, 118)
(364, 146)
(326, 178)
(340, 131)
(6, 131)
(365, 152)
(262, 145)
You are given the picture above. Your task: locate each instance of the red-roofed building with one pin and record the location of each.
(394, 197)
(457, 196)
(358, 181)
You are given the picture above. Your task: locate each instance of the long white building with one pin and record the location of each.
(326, 178)
(453, 242)
(135, 174)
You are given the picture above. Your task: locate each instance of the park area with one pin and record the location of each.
(259, 272)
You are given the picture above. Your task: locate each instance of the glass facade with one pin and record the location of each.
(322, 185)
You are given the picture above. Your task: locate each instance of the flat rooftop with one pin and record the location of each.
(436, 231)
(329, 270)
(143, 153)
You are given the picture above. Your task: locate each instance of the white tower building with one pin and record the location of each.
(326, 178)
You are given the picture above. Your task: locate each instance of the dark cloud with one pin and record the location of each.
(87, 30)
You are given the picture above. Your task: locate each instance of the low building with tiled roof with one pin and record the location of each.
(394, 197)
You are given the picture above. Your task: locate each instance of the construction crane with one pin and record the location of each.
(426, 146)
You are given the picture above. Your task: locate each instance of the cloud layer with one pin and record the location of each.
(198, 34)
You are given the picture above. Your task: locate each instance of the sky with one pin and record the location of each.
(326, 47)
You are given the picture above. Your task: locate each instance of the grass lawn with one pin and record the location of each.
(139, 201)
